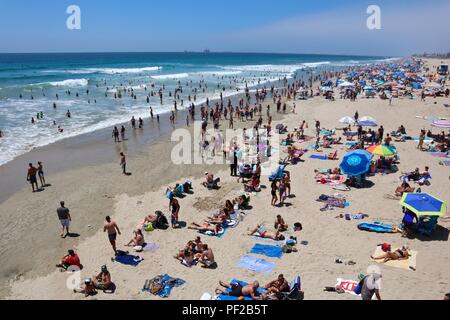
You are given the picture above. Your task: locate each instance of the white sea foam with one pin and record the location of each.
(171, 76)
(69, 83)
(219, 73)
(121, 70)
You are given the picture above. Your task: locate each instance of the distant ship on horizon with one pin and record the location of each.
(206, 51)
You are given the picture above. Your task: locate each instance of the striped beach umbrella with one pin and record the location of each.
(382, 150)
(423, 204)
(441, 124)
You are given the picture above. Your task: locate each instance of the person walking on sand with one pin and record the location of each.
(123, 163)
(65, 219)
(112, 229)
(31, 177)
(41, 174)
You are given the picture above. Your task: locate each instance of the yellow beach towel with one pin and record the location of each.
(403, 264)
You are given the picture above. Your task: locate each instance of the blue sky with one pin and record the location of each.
(290, 26)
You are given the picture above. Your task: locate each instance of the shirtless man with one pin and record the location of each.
(207, 257)
(31, 177)
(261, 230)
(209, 179)
(103, 280)
(112, 229)
(279, 224)
(278, 285)
(237, 290)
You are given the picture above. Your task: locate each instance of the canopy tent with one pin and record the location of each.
(346, 84)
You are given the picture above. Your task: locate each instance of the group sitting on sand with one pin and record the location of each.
(271, 291)
(196, 252)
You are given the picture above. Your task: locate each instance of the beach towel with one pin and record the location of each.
(347, 285)
(165, 285)
(212, 234)
(128, 259)
(402, 264)
(276, 242)
(377, 227)
(439, 154)
(226, 297)
(318, 157)
(267, 250)
(256, 264)
(150, 247)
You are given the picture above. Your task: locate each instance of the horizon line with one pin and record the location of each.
(203, 52)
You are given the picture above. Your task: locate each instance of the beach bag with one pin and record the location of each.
(149, 227)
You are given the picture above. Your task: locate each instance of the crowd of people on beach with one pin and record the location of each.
(249, 109)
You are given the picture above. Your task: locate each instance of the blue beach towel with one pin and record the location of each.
(226, 297)
(129, 260)
(267, 250)
(168, 286)
(376, 227)
(256, 264)
(315, 156)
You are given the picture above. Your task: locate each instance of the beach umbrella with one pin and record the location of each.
(382, 150)
(367, 118)
(356, 163)
(368, 88)
(441, 124)
(423, 204)
(346, 84)
(367, 124)
(347, 120)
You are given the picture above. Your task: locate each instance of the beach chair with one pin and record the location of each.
(278, 174)
(426, 225)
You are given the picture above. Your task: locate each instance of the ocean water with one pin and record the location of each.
(38, 78)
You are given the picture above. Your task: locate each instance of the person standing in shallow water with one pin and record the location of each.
(122, 133)
(115, 134)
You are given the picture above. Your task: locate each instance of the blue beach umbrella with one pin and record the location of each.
(423, 204)
(356, 162)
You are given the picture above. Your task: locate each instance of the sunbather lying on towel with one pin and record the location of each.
(205, 227)
(278, 285)
(219, 218)
(400, 254)
(237, 290)
(261, 232)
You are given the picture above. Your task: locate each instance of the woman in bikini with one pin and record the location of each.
(263, 233)
(274, 189)
(399, 254)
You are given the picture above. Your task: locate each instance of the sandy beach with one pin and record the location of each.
(30, 244)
